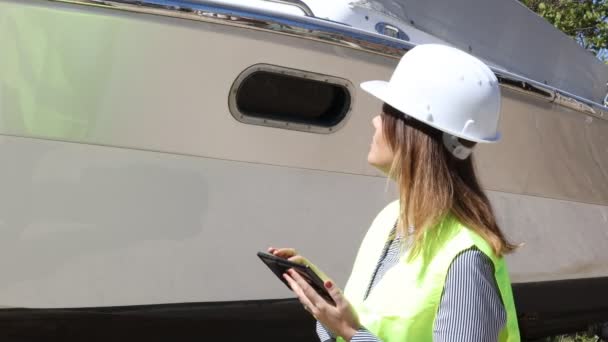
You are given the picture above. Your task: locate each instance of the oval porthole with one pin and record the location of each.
(293, 99)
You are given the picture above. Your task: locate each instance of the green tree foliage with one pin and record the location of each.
(584, 20)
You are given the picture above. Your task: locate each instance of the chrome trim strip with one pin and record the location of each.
(327, 32)
(248, 119)
(550, 94)
(300, 26)
(298, 3)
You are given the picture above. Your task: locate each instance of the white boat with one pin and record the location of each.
(152, 147)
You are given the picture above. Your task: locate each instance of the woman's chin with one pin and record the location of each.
(383, 167)
(373, 162)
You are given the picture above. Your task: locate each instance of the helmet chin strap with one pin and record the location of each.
(456, 148)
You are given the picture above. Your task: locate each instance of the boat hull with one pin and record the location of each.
(127, 181)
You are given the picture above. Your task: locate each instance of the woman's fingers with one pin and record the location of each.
(334, 292)
(298, 259)
(308, 305)
(308, 291)
(285, 253)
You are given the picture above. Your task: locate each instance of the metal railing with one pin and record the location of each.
(297, 3)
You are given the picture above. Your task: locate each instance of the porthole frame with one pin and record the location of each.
(286, 124)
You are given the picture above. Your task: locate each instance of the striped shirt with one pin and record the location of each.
(470, 309)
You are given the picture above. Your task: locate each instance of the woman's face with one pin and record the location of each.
(380, 154)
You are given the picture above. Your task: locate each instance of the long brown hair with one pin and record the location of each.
(433, 183)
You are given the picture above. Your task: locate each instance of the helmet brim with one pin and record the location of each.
(381, 90)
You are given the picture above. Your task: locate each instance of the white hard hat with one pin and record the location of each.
(445, 88)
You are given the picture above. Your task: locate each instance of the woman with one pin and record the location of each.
(431, 266)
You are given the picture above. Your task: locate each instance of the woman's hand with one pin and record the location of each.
(340, 319)
(284, 253)
(292, 255)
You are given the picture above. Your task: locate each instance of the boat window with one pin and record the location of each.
(293, 99)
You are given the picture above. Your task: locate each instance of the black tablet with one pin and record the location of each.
(279, 266)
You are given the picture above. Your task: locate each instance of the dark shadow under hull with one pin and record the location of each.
(544, 308)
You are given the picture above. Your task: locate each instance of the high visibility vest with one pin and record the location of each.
(404, 303)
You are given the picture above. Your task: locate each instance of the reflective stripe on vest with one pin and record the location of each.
(404, 303)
